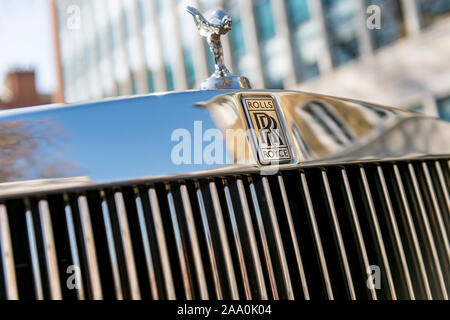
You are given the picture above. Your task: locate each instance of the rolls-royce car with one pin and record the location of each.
(226, 192)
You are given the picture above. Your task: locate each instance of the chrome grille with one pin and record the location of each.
(309, 233)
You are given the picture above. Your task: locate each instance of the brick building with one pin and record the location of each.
(20, 91)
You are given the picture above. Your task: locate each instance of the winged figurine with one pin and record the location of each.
(217, 24)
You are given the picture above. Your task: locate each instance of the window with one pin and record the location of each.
(266, 26)
(433, 10)
(126, 24)
(112, 37)
(189, 67)
(134, 84)
(99, 47)
(150, 81)
(305, 38)
(392, 22)
(417, 108)
(444, 108)
(168, 42)
(169, 78)
(269, 45)
(236, 35)
(342, 29)
(188, 35)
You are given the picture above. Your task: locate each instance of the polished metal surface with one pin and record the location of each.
(252, 241)
(142, 223)
(294, 238)
(217, 24)
(357, 226)
(89, 247)
(118, 289)
(146, 244)
(39, 294)
(211, 252)
(337, 230)
(317, 240)
(397, 237)
(127, 247)
(278, 241)
(264, 242)
(136, 136)
(302, 234)
(180, 248)
(446, 191)
(49, 250)
(224, 242)
(428, 232)
(162, 244)
(437, 211)
(412, 230)
(238, 244)
(194, 243)
(74, 247)
(7, 257)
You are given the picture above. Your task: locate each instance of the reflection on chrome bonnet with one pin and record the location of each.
(131, 138)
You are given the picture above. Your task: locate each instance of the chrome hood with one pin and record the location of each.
(134, 138)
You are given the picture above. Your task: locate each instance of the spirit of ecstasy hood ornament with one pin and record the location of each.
(217, 24)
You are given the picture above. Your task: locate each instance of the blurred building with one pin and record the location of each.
(20, 91)
(124, 47)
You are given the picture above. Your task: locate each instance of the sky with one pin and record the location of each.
(26, 41)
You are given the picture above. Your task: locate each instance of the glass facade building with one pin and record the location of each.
(444, 108)
(124, 47)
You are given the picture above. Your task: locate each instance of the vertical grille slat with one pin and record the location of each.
(192, 233)
(210, 248)
(162, 244)
(112, 243)
(145, 285)
(82, 222)
(312, 232)
(445, 193)
(356, 223)
(7, 257)
(397, 238)
(128, 255)
(382, 239)
(93, 239)
(74, 248)
(36, 266)
(18, 225)
(284, 270)
(413, 233)
(238, 243)
(316, 235)
(428, 233)
(224, 241)
(263, 241)
(149, 260)
(437, 211)
(294, 240)
(337, 230)
(180, 249)
(63, 248)
(49, 251)
(252, 240)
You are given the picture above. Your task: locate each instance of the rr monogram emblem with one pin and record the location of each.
(269, 134)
